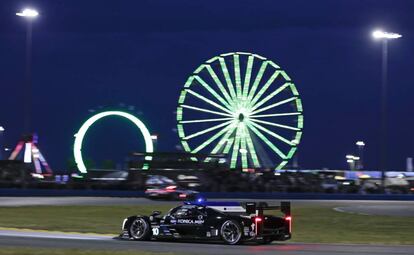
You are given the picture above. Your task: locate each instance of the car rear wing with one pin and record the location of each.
(259, 208)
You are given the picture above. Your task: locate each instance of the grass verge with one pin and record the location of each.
(310, 223)
(53, 251)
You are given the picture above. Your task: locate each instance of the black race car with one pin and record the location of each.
(231, 222)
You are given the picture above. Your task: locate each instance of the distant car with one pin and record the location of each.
(231, 222)
(158, 180)
(171, 192)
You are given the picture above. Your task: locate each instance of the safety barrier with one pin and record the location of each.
(209, 195)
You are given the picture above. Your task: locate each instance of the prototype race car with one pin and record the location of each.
(231, 222)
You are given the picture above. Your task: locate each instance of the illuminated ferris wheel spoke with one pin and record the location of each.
(236, 61)
(257, 80)
(228, 145)
(236, 146)
(256, 104)
(213, 92)
(227, 77)
(203, 120)
(211, 139)
(208, 101)
(272, 134)
(205, 110)
(275, 124)
(275, 115)
(267, 141)
(247, 103)
(252, 150)
(219, 84)
(206, 130)
(243, 149)
(247, 77)
(264, 88)
(274, 105)
(225, 139)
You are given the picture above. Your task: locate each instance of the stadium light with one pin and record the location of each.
(379, 34)
(360, 143)
(28, 13)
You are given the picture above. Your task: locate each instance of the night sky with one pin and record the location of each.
(101, 54)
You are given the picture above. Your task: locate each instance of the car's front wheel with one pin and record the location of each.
(140, 229)
(231, 232)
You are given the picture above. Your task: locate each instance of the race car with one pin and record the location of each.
(170, 192)
(231, 222)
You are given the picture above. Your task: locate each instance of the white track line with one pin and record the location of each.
(55, 235)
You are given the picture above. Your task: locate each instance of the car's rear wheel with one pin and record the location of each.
(140, 229)
(231, 232)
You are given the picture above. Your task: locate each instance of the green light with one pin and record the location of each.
(213, 92)
(267, 98)
(208, 101)
(243, 149)
(205, 110)
(281, 165)
(80, 135)
(207, 130)
(264, 88)
(272, 134)
(267, 141)
(247, 77)
(236, 146)
(257, 80)
(211, 139)
(274, 105)
(240, 102)
(227, 77)
(237, 76)
(219, 85)
(252, 150)
(276, 125)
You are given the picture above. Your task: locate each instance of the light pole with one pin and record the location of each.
(384, 37)
(361, 146)
(352, 161)
(29, 15)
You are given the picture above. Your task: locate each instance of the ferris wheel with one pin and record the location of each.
(244, 106)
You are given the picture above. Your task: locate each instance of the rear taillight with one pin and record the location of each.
(257, 221)
(288, 220)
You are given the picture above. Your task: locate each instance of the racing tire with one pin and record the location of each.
(231, 232)
(140, 229)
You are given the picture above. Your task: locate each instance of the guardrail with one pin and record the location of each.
(209, 195)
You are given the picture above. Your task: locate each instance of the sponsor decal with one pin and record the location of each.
(189, 221)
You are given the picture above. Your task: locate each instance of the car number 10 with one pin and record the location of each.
(155, 231)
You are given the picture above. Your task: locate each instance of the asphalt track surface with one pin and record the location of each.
(101, 242)
(392, 208)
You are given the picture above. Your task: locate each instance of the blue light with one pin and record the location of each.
(200, 200)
